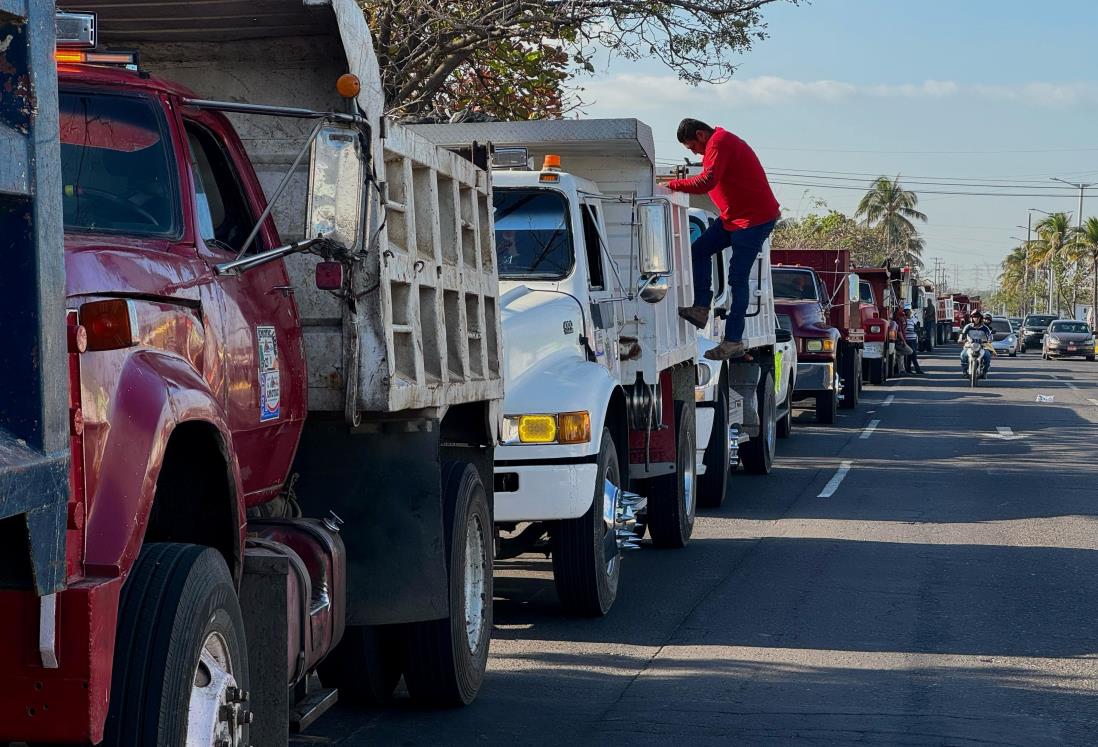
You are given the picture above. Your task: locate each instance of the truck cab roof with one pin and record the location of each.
(117, 77)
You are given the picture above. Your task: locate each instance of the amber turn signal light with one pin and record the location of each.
(110, 324)
(348, 86)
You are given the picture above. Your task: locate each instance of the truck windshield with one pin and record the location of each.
(532, 235)
(796, 285)
(115, 172)
(865, 292)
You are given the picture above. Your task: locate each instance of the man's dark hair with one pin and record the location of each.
(688, 128)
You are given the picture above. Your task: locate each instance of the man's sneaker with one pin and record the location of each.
(727, 349)
(696, 315)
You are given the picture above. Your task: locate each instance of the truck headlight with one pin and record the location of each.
(560, 428)
(875, 329)
(819, 346)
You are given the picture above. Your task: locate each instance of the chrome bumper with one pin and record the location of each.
(815, 377)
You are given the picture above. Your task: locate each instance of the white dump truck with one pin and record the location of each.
(752, 444)
(600, 437)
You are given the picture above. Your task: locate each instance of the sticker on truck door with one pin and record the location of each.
(270, 385)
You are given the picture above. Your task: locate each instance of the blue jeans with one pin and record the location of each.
(746, 244)
(964, 360)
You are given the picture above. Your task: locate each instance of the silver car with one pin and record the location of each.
(1066, 337)
(1006, 340)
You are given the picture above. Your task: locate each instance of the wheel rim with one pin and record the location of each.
(770, 435)
(217, 709)
(614, 523)
(688, 483)
(474, 582)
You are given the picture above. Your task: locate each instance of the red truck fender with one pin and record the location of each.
(158, 396)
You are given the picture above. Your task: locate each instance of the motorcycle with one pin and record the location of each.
(975, 344)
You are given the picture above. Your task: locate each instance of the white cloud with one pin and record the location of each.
(657, 92)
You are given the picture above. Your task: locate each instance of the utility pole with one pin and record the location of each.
(1082, 187)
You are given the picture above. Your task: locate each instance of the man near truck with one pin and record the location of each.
(735, 181)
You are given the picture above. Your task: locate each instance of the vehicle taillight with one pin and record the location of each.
(110, 324)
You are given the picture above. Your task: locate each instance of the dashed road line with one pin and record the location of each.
(868, 430)
(836, 480)
(888, 400)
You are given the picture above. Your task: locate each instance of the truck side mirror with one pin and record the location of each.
(655, 238)
(336, 182)
(652, 288)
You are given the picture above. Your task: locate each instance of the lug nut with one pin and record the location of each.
(247, 717)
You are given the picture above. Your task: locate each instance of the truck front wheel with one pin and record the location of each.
(672, 499)
(757, 454)
(180, 658)
(586, 581)
(852, 379)
(444, 660)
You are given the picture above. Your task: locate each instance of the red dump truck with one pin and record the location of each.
(840, 303)
(882, 334)
(234, 365)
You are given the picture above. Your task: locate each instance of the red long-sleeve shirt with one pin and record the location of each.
(735, 180)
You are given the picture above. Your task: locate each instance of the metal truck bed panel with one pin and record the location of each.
(427, 329)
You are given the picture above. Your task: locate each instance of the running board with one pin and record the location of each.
(311, 707)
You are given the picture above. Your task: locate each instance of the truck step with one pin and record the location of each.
(312, 707)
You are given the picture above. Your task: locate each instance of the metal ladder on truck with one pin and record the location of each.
(35, 439)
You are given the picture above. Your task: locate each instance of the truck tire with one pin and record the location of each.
(757, 454)
(587, 584)
(852, 380)
(877, 371)
(179, 635)
(713, 485)
(672, 499)
(785, 424)
(444, 660)
(365, 666)
(827, 403)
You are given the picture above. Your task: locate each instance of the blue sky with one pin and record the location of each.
(959, 91)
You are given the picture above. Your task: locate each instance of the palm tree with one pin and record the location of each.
(1055, 240)
(1088, 241)
(1012, 278)
(890, 209)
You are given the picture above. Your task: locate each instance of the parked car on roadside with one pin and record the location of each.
(1005, 341)
(1033, 329)
(1066, 337)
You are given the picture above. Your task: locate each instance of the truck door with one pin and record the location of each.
(262, 355)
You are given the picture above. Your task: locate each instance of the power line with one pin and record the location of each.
(928, 181)
(921, 191)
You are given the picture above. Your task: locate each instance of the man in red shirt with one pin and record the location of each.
(735, 180)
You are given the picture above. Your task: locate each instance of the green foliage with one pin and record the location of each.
(515, 59)
(832, 230)
(891, 210)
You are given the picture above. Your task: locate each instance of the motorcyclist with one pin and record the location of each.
(977, 325)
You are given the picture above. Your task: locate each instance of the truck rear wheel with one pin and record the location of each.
(713, 485)
(672, 499)
(587, 583)
(180, 658)
(444, 660)
(757, 454)
(365, 666)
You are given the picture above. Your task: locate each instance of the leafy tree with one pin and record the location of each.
(1057, 246)
(427, 48)
(833, 230)
(891, 210)
(1087, 238)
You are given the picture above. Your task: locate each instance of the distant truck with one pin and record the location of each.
(878, 304)
(222, 381)
(945, 320)
(837, 291)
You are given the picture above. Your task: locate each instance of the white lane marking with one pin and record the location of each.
(836, 480)
(888, 400)
(1093, 402)
(1006, 433)
(1072, 385)
(868, 431)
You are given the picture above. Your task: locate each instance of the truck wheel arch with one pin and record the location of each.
(195, 500)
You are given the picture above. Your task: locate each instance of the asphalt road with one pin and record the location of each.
(945, 593)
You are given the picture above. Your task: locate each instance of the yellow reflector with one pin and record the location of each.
(829, 345)
(575, 427)
(537, 429)
(348, 85)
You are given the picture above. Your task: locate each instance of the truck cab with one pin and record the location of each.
(877, 305)
(801, 303)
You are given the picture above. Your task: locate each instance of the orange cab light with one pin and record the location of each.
(111, 324)
(348, 86)
(574, 427)
(551, 162)
(68, 55)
